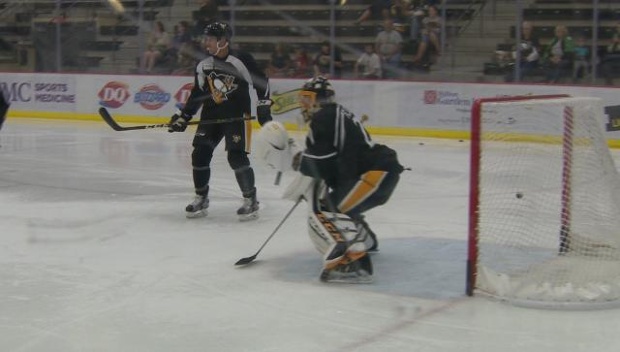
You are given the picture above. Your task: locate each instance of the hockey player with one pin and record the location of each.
(354, 175)
(223, 86)
(4, 107)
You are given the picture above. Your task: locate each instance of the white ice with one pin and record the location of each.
(96, 255)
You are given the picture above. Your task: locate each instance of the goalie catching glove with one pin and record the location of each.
(274, 147)
(178, 122)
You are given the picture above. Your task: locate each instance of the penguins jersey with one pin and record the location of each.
(223, 87)
(337, 146)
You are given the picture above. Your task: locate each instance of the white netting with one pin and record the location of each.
(547, 179)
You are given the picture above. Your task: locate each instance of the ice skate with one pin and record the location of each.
(354, 268)
(197, 208)
(249, 209)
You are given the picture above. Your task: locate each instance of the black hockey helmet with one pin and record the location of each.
(219, 30)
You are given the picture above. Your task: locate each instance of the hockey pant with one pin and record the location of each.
(372, 189)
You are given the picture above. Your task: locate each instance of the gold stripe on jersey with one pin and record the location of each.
(364, 188)
(248, 134)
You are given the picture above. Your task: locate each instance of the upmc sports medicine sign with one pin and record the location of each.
(41, 92)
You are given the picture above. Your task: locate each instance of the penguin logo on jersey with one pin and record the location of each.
(221, 85)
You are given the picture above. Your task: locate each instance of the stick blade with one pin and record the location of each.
(246, 260)
(105, 115)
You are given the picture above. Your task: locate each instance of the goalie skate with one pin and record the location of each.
(350, 271)
(197, 208)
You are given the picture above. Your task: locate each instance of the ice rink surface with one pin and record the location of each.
(96, 255)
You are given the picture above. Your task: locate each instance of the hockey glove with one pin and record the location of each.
(178, 122)
(263, 111)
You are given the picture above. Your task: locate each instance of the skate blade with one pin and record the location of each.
(248, 217)
(349, 278)
(196, 214)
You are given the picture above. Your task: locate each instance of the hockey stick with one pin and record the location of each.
(278, 177)
(248, 260)
(105, 115)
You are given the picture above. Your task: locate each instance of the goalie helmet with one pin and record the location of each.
(321, 87)
(219, 30)
(315, 91)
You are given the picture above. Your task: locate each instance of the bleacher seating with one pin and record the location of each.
(576, 15)
(570, 14)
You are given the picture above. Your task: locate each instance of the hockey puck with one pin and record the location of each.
(519, 195)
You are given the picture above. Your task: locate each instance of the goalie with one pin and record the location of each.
(346, 174)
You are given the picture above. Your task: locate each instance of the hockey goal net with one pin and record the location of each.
(544, 203)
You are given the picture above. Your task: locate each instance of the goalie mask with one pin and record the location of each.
(315, 92)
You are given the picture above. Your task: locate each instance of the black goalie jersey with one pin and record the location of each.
(339, 149)
(224, 87)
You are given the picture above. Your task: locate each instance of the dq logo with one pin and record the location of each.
(430, 97)
(182, 95)
(113, 95)
(151, 97)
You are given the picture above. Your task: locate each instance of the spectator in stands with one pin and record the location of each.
(418, 12)
(182, 36)
(300, 63)
(389, 46)
(610, 64)
(378, 9)
(529, 54)
(207, 13)
(280, 63)
(558, 55)
(368, 65)
(432, 25)
(322, 62)
(158, 44)
(581, 62)
(429, 46)
(401, 14)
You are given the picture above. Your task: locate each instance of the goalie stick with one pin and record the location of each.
(248, 260)
(278, 178)
(105, 115)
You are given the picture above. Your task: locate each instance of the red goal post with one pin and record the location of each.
(544, 206)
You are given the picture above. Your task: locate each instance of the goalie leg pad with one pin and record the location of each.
(326, 229)
(366, 235)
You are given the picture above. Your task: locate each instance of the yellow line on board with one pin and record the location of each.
(386, 131)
